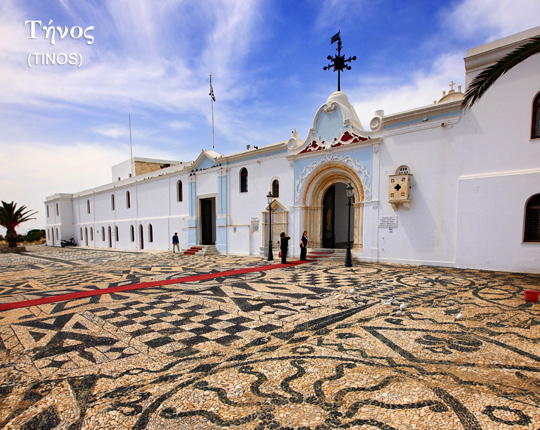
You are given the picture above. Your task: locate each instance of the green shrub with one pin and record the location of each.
(35, 235)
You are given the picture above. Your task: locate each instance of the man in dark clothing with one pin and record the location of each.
(284, 247)
(175, 242)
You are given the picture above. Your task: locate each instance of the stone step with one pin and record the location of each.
(337, 254)
(202, 250)
(326, 254)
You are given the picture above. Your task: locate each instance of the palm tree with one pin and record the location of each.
(488, 76)
(11, 217)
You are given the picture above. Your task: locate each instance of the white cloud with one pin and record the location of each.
(36, 171)
(112, 130)
(334, 14)
(161, 77)
(180, 125)
(422, 89)
(479, 19)
(493, 19)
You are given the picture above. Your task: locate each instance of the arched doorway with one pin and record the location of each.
(141, 237)
(325, 206)
(335, 217)
(110, 237)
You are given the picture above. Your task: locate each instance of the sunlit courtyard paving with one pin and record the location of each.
(310, 346)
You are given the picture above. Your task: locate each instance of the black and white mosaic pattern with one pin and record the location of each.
(316, 346)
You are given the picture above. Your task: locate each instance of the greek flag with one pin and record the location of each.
(212, 89)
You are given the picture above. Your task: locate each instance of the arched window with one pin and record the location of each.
(179, 194)
(275, 188)
(532, 220)
(81, 234)
(103, 234)
(116, 233)
(243, 180)
(112, 202)
(132, 233)
(535, 129)
(47, 211)
(56, 234)
(91, 233)
(150, 233)
(88, 206)
(57, 210)
(128, 199)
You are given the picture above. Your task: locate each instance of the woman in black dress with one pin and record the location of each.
(303, 246)
(284, 247)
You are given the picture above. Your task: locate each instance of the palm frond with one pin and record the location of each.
(481, 83)
(10, 216)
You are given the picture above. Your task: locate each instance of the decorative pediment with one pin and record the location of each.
(335, 124)
(206, 160)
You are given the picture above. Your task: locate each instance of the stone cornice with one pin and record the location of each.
(485, 55)
(423, 115)
(253, 153)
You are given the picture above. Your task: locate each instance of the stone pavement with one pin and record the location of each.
(306, 347)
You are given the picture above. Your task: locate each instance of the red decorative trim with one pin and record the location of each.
(347, 138)
(313, 146)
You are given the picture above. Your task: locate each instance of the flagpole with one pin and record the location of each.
(212, 102)
(213, 132)
(130, 145)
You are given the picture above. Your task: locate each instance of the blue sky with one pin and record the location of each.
(63, 126)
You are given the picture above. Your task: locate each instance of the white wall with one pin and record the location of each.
(426, 233)
(500, 173)
(491, 212)
(244, 206)
(59, 220)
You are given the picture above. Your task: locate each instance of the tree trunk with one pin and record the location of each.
(11, 237)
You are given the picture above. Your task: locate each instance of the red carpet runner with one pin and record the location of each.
(121, 288)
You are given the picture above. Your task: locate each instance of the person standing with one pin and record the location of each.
(284, 247)
(175, 242)
(303, 246)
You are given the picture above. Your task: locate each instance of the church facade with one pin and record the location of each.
(436, 185)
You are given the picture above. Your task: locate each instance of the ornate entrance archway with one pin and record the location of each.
(313, 202)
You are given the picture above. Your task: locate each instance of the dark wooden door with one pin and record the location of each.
(206, 222)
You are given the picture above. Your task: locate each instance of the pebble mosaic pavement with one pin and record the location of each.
(305, 347)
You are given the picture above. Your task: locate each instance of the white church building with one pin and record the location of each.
(435, 185)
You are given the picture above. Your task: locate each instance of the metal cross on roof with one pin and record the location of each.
(339, 61)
